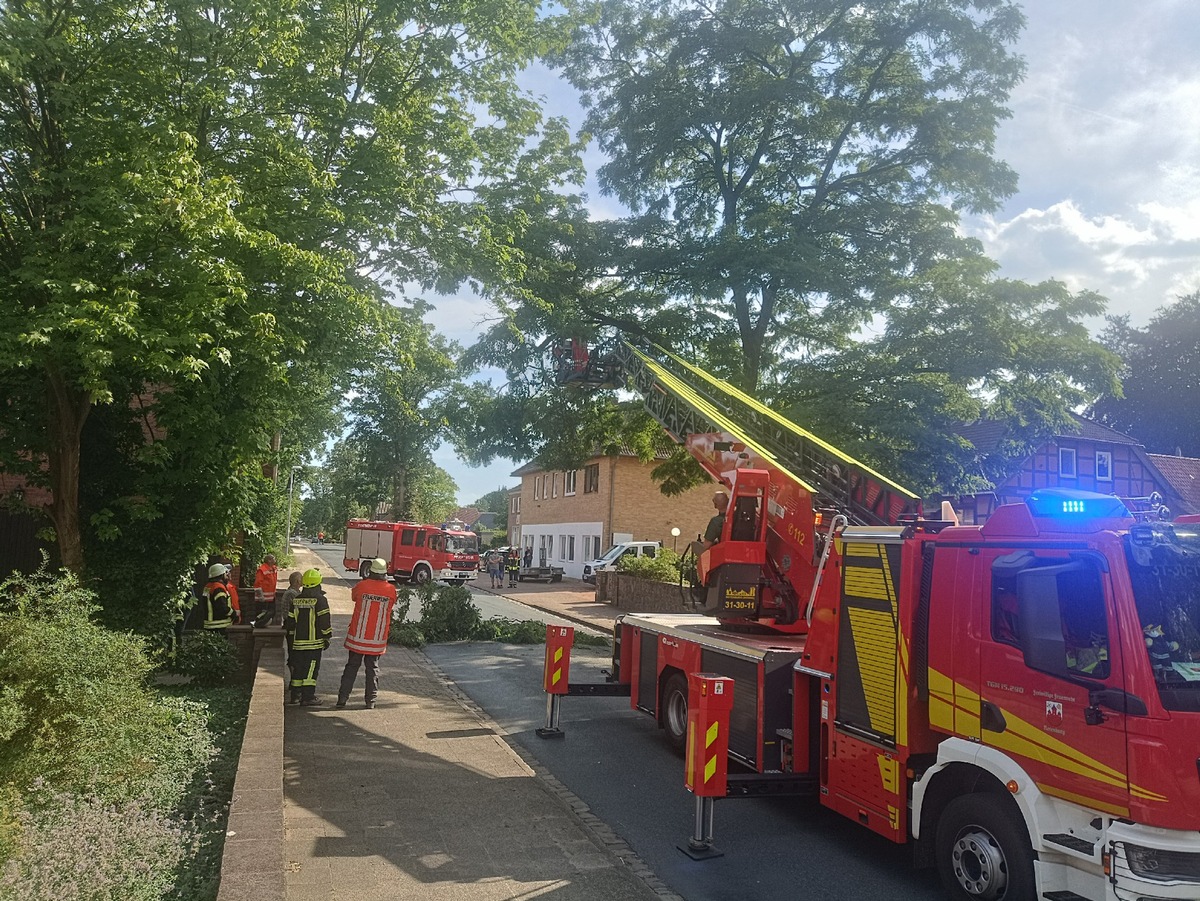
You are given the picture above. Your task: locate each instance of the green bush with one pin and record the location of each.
(76, 709)
(447, 613)
(664, 566)
(207, 658)
(82, 848)
(407, 635)
(511, 631)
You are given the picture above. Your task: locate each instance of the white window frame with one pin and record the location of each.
(1065, 454)
(1105, 458)
(554, 483)
(537, 488)
(569, 483)
(571, 548)
(562, 547)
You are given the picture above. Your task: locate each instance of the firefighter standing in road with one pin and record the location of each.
(266, 581)
(219, 600)
(309, 632)
(514, 566)
(366, 640)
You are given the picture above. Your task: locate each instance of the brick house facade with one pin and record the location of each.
(571, 517)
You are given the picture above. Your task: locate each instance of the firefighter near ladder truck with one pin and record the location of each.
(1019, 700)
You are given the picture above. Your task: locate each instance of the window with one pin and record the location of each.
(406, 536)
(562, 547)
(1064, 602)
(1103, 466)
(515, 505)
(569, 482)
(571, 546)
(554, 484)
(591, 478)
(1066, 462)
(537, 488)
(420, 539)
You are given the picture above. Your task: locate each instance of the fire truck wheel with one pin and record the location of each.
(983, 853)
(421, 575)
(364, 568)
(675, 709)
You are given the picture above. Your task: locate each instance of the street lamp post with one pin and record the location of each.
(675, 538)
(287, 522)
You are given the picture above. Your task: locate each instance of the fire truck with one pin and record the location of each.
(414, 552)
(1018, 700)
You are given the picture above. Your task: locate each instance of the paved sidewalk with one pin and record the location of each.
(420, 798)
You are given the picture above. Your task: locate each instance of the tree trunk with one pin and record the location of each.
(400, 494)
(68, 409)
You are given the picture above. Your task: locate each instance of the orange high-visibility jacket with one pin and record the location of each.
(219, 607)
(267, 580)
(372, 619)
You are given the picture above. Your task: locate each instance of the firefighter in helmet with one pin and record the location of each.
(309, 633)
(219, 600)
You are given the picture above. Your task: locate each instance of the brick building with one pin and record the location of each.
(571, 517)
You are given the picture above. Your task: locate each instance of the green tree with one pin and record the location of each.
(398, 413)
(201, 205)
(795, 170)
(1159, 401)
(790, 160)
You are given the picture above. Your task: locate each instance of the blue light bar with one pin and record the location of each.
(1068, 503)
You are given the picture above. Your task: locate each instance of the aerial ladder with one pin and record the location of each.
(790, 492)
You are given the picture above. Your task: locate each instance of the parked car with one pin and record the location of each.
(610, 557)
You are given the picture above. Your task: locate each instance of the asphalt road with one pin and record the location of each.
(618, 763)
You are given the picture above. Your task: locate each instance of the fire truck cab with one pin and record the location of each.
(414, 552)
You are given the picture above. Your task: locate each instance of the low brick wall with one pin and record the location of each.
(252, 865)
(638, 595)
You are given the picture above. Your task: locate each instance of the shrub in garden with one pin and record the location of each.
(448, 613)
(73, 848)
(75, 708)
(664, 566)
(207, 658)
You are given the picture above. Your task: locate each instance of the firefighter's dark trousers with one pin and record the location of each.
(305, 665)
(350, 674)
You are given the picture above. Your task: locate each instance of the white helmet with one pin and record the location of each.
(217, 570)
(379, 566)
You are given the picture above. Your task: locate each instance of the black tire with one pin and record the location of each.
(421, 575)
(363, 568)
(675, 710)
(983, 851)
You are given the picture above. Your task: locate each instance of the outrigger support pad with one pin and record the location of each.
(551, 729)
(700, 846)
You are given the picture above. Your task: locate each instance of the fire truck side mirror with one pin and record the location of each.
(1041, 637)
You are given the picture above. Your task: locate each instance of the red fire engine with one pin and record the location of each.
(1020, 700)
(414, 552)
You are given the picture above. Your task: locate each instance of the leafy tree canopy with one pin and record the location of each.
(795, 170)
(202, 205)
(1159, 402)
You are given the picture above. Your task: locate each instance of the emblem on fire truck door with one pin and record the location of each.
(1054, 713)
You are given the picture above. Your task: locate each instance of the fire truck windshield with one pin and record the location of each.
(462, 544)
(1164, 567)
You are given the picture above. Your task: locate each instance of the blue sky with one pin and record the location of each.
(1105, 136)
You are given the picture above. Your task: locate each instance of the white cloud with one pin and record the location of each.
(1104, 136)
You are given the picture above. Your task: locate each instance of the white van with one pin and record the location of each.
(625, 549)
